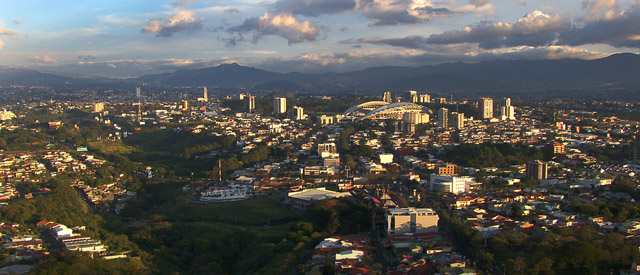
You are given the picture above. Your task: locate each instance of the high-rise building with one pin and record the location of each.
(457, 120)
(425, 98)
(249, 103)
(279, 105)
(413, 96)
(297, 113)
(241, 96)
(506, 110)
(204, 94)
(536, 170)
(486, 106)
(443, 118)
(138, 92)
(387, 97)
(98, 107)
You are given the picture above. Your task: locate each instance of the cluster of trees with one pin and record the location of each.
(564, 250)
(340, 216)
(495, 154)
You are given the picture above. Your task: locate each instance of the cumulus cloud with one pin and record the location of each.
(44, 60)
(181, 21)
(619, 30)
(600, 10)
(284, 25)
(4, 31)
(534, 29)
(313, 8)
(232, 11)
(398, 12)
(1, 44)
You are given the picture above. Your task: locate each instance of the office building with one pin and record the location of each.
(249, 103)
(297, 113)
(451, 184)
(279, 105)
(411, 220)
(412, 96)
(98, 107)
(457, 120)
(327, 149)
(486, 108)
(325, 120)
(443, 118)
(138, 94)
(425, 98)
(506, 110)
(204, 97)
(387, 97)
(537, 170)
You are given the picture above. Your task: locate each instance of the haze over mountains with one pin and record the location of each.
(616, 72)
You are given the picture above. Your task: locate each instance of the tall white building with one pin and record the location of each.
(457, 120)
(279, 105)
(486, 105)
(298, 113)
(98, 107)
(425, 98)
(386, 97)
(506, 110)
(138, 92)
(443, 118)
(204, 95)
(249, 103)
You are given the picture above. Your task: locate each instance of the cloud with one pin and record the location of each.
(534, 29)
(181, 21)
(399, 12)
(619, 30)
(115, 20)
(313, 8)
(88, 57)
(44, 60)
(232, 11)
(284, 25)
(600, 10)
(1, 44)
(18, 21)
(180, 4)
(4, 31)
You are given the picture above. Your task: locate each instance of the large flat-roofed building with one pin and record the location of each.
(302, 199)
(411, 220)
(451, 184)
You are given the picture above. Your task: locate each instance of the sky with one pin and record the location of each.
(131, 38)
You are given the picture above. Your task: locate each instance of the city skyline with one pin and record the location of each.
(121, 39)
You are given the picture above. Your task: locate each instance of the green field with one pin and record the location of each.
(255, 211)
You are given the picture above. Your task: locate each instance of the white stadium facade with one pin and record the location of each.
(380, 110)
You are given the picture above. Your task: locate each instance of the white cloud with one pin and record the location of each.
(1, 44)
(4, 31)
(284, 25)
(181, 21)
(180, 4)
(44, 60)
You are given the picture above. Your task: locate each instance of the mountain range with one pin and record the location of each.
(615, 72)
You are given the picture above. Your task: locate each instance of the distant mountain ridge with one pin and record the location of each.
(618, 71)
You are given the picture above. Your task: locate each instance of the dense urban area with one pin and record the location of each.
(192, 181)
